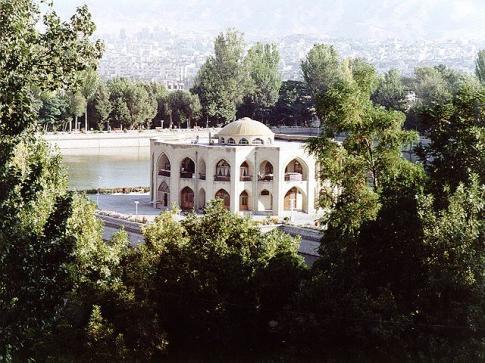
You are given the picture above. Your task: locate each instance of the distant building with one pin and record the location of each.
(244, 166)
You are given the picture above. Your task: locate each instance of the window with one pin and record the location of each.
(231, 141)
(258, 141)
(265, 192)
(243, 141)
(221, 140)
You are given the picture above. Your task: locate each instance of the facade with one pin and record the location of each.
(243, 165)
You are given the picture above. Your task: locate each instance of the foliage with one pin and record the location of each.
(390, 92)
(261, 61)
(183, 106)
(480, 66)
(294, 106)
(102, 106)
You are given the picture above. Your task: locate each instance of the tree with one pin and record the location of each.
(142, 108)
(321, 68)
(455, 130)
(294, 105)
(262, 62)
(221, 81)
(36, 246)
(77, 106)
(217, 276)
(54, 111)
(159, 93)
(102, 106)
(390, 92)
(480, 66)
(183, 107)
(89, 85)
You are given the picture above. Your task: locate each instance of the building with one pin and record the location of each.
(242, 164)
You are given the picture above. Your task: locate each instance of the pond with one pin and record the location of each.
(107, 168)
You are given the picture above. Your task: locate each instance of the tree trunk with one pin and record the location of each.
(75, 123)
(171, 121)
(86, 120)
(70, 125)
(207, 122)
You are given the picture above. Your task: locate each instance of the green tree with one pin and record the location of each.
(294, 105)
(183, 106)
(262, 62)
(77, 106)
(321, 68)
(217, 276)
(480, 66)
(159, 93)
(36, 246)
(89, 85)
(54, 111)
(390, 92)
(102, 106)
(222, 81)
(142, 108)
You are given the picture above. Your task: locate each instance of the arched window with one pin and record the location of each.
(221, 140)
(265, 192)
(296, 170)
(243, 141)
(265, 201)
(231, 141)
(266, 171)
(258, 141)
(223, 171)
(187, 168)
(163, 195)
(244, 171)
(163, 165)
(222, 194)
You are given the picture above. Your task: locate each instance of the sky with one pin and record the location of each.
(355, 19)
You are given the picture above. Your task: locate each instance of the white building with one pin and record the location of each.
(242, 164)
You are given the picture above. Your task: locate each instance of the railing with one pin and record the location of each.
(201, 176)
(222, 177)
(164, 172)
(186, 174)
(293, 177)
(268, 177)
(246, 177)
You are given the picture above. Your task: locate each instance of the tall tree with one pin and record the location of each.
(390, 91)
(262, 63)
(77, 106)
(89, 85)
(294, 106)
(39, 51)
(321, 68)
(480, 66)
(102, 106)
(221, 81)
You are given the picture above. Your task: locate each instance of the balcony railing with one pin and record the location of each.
(246, 177)
(201, 176)
(186, 174)
(267, 177)
(222, 177)
(293, 177)
(164, 172)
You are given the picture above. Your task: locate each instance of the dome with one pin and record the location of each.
(246, 127)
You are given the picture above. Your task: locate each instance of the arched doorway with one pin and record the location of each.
(223, 171)
(295, 199)
(163, 165)
(265, 201)
(201, 199)
(187, 199)
(296, 170)
(163, 197)
(244, 201)
(222, 194)
(187, 168)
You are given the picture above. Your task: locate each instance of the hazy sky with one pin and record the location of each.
(372, 19)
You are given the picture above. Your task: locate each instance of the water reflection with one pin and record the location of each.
(107, 168)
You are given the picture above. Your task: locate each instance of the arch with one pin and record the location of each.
(295, 199)
(201, 199)
(201, 168)
(163, 195)
(221, 140)
(224, 195)
(265, 200)
(243, 141)
(244, 201)
(231, 141)
(296, 170)
(187, 168)
(266, 171)
(258, 141)
(187, 199)
(245, 172)
(163, 165)
(223, 171)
